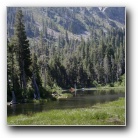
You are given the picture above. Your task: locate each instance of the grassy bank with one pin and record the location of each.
(111, 113)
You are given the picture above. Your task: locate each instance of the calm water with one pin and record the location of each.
(80, 99)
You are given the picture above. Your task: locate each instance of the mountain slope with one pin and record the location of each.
(78, 21)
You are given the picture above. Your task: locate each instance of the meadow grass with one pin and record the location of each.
(111, 113)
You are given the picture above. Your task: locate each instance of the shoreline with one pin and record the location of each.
(108, 113)
(99, 88)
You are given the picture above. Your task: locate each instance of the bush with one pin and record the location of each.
(111, 84)
(121, 81)
(95, 83)
(45, 93)
(99, 85)
(56, 88)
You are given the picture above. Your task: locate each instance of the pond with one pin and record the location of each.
(79, 99)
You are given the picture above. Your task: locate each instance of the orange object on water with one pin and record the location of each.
(72, 89)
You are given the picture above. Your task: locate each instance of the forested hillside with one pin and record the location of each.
(62, 46)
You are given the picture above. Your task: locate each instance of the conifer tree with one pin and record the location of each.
(22, 50)
(36, 80)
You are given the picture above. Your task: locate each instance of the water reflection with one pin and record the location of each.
(80, 99)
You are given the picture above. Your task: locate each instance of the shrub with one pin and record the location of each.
(95, 83)
(44, 93)
(111, 84)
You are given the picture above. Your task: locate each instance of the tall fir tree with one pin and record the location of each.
(22, 51)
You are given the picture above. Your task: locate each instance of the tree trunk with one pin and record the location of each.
(44, 77)
(24, 80)
(35, 87)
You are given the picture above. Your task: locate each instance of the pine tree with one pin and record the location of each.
(9, 69)
(22, 50)
(106, 69)
(12, 71)
(36, 80)
(66, 37)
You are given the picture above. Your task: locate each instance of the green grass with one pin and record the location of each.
(111, 113)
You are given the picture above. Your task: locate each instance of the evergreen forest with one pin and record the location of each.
(51, 49)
